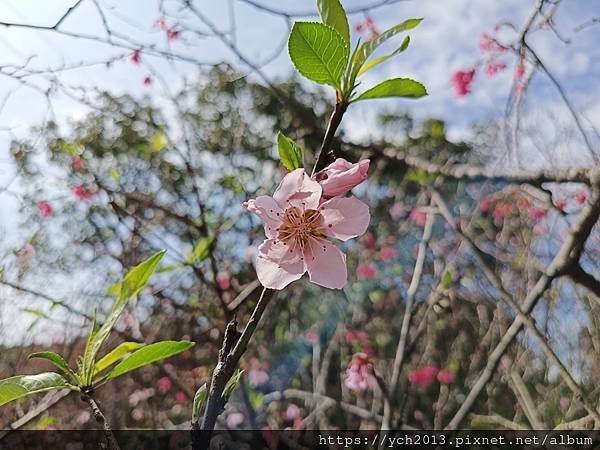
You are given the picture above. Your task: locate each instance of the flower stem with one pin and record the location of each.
(334, 122)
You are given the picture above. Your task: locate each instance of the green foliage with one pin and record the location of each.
(58, 361)
(233, 383)
(290, 153)
(376, 61)
(397, 87)
(201, 250)
(16, 387)
(319, 52)
(199, 400)
(147, 355)
(332, 13)
(119, 352)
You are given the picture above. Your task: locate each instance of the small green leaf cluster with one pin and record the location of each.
(92, 372)
(321, 53)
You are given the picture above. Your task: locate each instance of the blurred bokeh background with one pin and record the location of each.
(129, 127)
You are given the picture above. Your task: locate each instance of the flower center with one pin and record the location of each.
(299, 227)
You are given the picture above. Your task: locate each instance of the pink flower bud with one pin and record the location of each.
(45, 209)
(446, 376)
(341, 176)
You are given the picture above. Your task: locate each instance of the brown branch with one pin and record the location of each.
(101, 419)
(324, 153)
(526, 401)
(410, 295)
(499, 420)
(568, 255)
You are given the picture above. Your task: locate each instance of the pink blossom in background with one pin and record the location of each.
(26, 253)
(341, 176)
(234, 420)
(181, 397)
(257, 377)
(502, 210)
(397, 211)
(45, 209)
(223, 281)
(160, 23)
(581, 197)
(493, 68)
(164, 385)
(366, 271)
(172, 34)
(297, 226)
(360, 337)
(418, 217)
(486, 204)
(359, 375)
(486, 43)
(462, 80)
(311, 337)
(387, 253)
(147, 81)
(77, 163)
(446, 376)
(369, 241)
(561, 204)
(519, 71)
(423, 376)
(537, 213)
(135, 57)
(137, 414)
(292, 412)
(81, 193)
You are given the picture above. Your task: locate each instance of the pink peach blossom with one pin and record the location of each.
(418, 217)
(297, 226)
(181, 397)
(387, 253)
(45, 209)
(581, 197)
(164, 385)
(537, 213)
(135, 57)
(26, 253)
(493, 68)
(257, 377)
(341, 176)
(446, 376)
(77, 163)
(462, 80)
(423, 376)
(368, 271)
(82, 193)
(223, 281)
(359, 375)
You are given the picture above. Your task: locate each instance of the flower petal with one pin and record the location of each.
(345, 217)
(269, 211)
(326, 264)
(277, 266)
(297, 189)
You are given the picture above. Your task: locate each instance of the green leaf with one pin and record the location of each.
(332, 13)
(290, 153)
(201, 249)
(376, 61)
(116, 354)
(147, 355)
(397, 87)
(199, 400)
(135, 280)
(365, 50)
(447, 280)
(232, 384)
(23, 385)
(58, 361)
(319, 52)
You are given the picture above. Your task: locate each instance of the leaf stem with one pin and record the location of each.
(334, 122)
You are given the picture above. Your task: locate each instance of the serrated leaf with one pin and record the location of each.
(318, 52)
(376, 61)
(397, 87)
(332, 13)
(290, 153)
(135, 280)
(58, 361)
(22, 385)
(201, 249)
(115, 355)
(199, 400)
(233, 383)
(147, 355)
